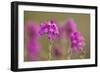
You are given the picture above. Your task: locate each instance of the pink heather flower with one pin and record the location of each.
(77, 40)
(49, 28)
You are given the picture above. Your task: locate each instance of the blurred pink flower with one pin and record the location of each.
(33, 49)
(32, 45)
(76, 38)
(32, 29)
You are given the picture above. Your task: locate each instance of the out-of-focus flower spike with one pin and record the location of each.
(76, 38)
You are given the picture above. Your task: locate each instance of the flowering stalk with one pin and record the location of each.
(51, 30)
(75, 37)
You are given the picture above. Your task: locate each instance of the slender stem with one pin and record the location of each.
(69, 53)
(50, 51)
(50, 48)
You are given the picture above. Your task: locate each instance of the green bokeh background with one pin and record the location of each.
(83, 24)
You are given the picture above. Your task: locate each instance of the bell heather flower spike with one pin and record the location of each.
(50, 28)
(76, 38)
(32, 45)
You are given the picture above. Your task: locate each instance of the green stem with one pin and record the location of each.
(50, 51)
(50, 48)
(69, 54)
(69, 51)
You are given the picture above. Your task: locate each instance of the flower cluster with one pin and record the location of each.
(77, 41)
(50, 28)
(76, 38)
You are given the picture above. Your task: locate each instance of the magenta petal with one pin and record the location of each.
(80, 39)
(72, 36)
(80, 44)
(74, 41)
